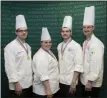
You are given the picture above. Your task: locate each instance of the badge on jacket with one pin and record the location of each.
(28, 58)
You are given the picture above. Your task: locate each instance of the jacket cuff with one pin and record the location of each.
(43, 78)
(12, 80)
(79, 69)
(92, 77)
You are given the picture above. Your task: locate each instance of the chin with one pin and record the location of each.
(85, 34)
(46, 48)
(24, 38)
(49, 48)
(66, 38)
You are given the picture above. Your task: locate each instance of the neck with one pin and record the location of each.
(88, 37)
(65, 40)
(23, 40)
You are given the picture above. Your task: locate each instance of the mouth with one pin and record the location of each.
(23, 35)
(86, 31)
(48, 46)
(64, 35)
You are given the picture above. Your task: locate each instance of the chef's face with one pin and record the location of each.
(66, 33)
(46, 44)
(22, 33)
(88, 30)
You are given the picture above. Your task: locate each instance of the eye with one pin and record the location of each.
(62, 31)
(46, 42)
(21, 30)
(88, 27)
(50, 42)
(67, 31)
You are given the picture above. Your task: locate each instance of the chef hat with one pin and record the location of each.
(89, 15)
(67, 22)
(45, 34)
(20, 22)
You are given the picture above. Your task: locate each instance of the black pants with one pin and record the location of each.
(26, 93)
(90, 94)
(64, 92)
(40, 96)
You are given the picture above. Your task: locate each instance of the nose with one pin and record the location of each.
(24, 32)
(48, 44)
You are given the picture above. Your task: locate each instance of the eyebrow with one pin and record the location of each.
(48, 42)
(18, 30)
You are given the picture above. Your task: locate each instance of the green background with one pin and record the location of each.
(50, 14)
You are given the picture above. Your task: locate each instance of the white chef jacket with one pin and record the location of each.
(72, 60)
(93, 62)
(17, 66)
(45, 67)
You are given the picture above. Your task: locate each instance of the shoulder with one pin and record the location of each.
(28, 46)
(59, 46)
(40, 54)
(75, 44)
(11, 46)
(96, 42)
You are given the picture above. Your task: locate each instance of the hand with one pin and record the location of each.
(72, 88)
(88, 86)
(18, 88)
(49, 94)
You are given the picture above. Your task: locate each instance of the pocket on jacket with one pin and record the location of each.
(20, 54)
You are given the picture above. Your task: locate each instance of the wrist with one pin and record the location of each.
(73, 81)
(73, 85)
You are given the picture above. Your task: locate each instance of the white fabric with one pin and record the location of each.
(25, 45)
(67, 22)
(17, 67)
(71, 61)
(89, 15)
(93, 62)
(20, 22)
(45, 34)
(45, 67)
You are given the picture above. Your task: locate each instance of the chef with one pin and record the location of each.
(93, 50)
(70, 60)
(17, 56)
(45, 67)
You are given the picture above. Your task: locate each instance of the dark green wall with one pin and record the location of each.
(49, 14)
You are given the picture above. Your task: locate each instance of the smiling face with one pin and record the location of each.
(66, 33)
(46, 44)
(22, 33)
(88, 30)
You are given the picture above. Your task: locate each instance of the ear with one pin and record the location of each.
(93, 27)
(71, 32)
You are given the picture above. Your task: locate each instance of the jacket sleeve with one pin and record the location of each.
(41, 65)
(10, 65)
(96, 62)
(78, 59)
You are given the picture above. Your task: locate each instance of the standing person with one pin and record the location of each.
(70, 60)
(93, 50)
(17, 55)
(45, 67)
